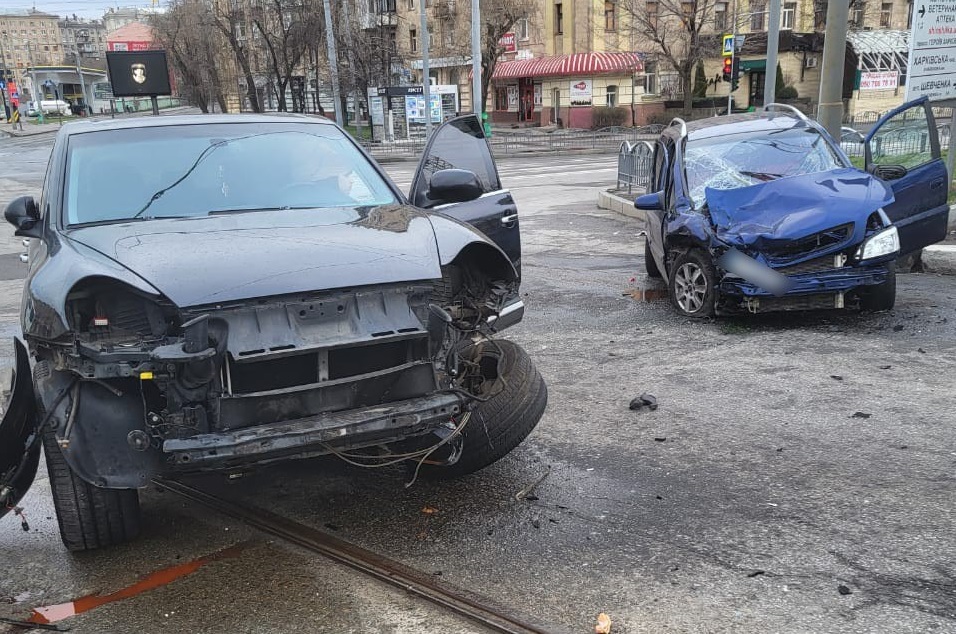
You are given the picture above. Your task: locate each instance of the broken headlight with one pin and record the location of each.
(886, 242)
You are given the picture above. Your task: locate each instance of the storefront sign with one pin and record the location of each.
(581, 92)
(882, 80)
(512, 97)
(508, 42)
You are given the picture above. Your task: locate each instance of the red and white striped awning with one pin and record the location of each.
(575, 64)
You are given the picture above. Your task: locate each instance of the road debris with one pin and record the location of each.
(525, 493)
(897, 327)
(756, 573)
(844, 590)
(885, 367)
(836, 377)
(660, 438)
(34, 626)
(427, 510)
(860, 415)
(648, 401)
(603, 624)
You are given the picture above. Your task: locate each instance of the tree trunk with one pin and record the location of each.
(280, 94)
(686, 86)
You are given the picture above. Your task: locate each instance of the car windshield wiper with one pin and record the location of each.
(242, 210)
(116, 221)
(764, 176)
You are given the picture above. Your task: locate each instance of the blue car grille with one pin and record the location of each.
(816, 265)
(802, 247)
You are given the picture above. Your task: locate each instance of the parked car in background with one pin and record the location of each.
(255, 289)
(765, 211)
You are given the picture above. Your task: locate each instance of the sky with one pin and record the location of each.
(82, 8)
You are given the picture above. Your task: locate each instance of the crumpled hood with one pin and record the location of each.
(773, 213)
(230, 257)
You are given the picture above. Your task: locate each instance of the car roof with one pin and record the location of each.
(738, 123)
(125, 123)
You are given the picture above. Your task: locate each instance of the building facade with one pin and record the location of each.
(29, 38)
(86, 38)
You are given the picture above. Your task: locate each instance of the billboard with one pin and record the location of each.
(141, 73)
(581, 92)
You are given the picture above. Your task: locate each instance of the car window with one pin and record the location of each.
(195, 170)
(461, 145)
(741, 160)
(903, 139)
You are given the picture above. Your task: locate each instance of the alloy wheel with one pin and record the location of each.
(690, 287)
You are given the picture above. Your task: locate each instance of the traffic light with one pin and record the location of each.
(735, 74)
(728, 68)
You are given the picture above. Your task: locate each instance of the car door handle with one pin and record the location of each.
(936, 184)
(509, 221)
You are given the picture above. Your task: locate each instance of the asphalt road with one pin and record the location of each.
(755, 499)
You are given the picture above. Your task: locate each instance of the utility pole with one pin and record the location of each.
(426, 74)
(830, 110)
(350, 55)
(333, 63)
(476, 102)
(773, 44)
(33, 76)
(79, 72)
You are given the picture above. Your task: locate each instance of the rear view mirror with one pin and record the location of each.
(888, 172)
(23, 214)
(650, 202)
(454, 186)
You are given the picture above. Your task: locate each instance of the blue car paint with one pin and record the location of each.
(776, 212)
(836, 281)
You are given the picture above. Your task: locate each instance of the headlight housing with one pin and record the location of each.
(886, 242)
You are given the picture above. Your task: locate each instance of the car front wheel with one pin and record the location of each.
(880, 296)
(692, 284)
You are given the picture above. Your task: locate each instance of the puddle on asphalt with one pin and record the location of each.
(60, 611)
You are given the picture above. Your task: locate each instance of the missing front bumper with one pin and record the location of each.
(314, 435)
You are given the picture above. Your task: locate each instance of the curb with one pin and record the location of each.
(621, 205)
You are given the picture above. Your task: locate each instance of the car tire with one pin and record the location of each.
(880, 296)
(501, 423)
(649, 264)
(89, 517)
(445, 289)
(692, 284)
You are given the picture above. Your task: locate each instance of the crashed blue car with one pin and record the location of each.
(764, 211)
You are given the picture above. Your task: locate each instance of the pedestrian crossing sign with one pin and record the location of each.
(728, 46)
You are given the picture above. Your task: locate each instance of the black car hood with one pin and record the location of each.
(236, 256)
(787, 209)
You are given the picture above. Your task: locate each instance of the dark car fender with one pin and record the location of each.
(43, 306)
(457, 240)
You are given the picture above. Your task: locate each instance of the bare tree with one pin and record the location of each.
(183, 32)
(231, 20)
(499, 17)
(679, 32)
(287, 28)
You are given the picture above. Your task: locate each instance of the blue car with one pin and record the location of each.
(764, 211)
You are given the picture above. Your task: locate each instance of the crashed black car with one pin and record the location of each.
(763, 212)
(215, 292)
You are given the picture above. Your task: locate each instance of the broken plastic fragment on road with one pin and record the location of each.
(644, 401)
(60, 611)
(603, 624)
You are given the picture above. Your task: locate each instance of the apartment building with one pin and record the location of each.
(84, 37)
(29, 38)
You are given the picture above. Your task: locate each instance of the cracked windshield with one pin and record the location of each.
(202, 170)
(741, 160)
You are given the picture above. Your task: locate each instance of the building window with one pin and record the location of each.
(411, 4)
(651, 10)
(240, 31)
(501, 99)
(523, 30)
(610, 15)
(758, 19)
(886, 11)
(789, 15)
(650, 77)
(558, 19)
(611, 96)
(856, 17)
(413, 40)
(720, 17)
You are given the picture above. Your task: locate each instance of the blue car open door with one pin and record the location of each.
(903, 149)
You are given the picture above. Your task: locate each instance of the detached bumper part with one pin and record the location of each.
(313, 435)
(510, 315)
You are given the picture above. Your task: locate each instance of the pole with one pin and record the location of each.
(350, 55)
(33, 78)
(951, 157)
(730, 89)
(333, 63)
(79, 71)
(426, 74)
(773, 44)
(476, 106)
(830, 110)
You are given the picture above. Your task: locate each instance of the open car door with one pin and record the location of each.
(19, 437)
(903, 150)
(459, 144)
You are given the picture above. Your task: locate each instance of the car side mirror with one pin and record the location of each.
(23, 214)
(650, 202)
(454, 186)
(887, 172)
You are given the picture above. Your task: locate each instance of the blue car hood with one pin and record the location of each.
(776, 212)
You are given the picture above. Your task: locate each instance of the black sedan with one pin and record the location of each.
(215, 292)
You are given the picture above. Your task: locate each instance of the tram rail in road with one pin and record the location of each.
(473, 606)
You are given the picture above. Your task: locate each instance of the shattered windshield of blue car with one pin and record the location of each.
(741, 160)
(197, 170)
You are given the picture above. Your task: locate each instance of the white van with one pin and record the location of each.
(49, 106)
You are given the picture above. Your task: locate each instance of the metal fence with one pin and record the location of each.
(635, 163)
(531, 141)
